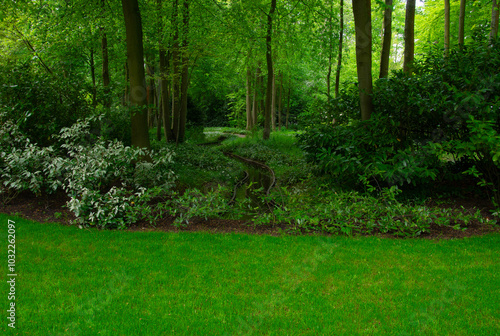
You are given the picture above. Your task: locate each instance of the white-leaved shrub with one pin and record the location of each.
(109, 184)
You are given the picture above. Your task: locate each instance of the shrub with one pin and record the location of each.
(368, 151)
(41, 105)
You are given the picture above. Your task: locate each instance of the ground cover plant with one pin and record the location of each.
(81, 282)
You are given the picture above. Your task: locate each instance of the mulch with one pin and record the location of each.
(51, 209)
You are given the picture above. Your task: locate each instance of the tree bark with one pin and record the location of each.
(362, 22)
(105, 69)
(273, 104)
(280, 100)
(446, 28)
(177, 66)
(461, 23)
(288, 102)
(494, 20)
(386, 44)
(341, 38)
(249, 99)
(185, 74)
(409, 52)
(135, 58)
(270, 72)
(92, 74)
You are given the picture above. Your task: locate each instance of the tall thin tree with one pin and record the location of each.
(362, 23)
(446, 27)
(409, 52)
(386, 43)
(270, 72)
(135, 63)
(341, 38)
(494, 20)
(461, 23)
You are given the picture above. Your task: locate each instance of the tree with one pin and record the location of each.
(446, 27)
(461, 23)
(270, 72)
(362, 22)
(386, 44)
(135, 62)
(494, 20)
(341, 38)
(409, 52)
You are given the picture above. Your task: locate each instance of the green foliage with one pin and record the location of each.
(367, 151)
(41, 104)
(352, 213)
(448, 110)
(109, 184)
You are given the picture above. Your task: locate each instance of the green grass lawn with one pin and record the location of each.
(88, 282)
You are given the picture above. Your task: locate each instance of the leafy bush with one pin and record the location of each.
(106, 181)
(448, 110)
(41, 104)
(368, 151)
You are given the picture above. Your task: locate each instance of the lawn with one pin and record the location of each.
(88, 282)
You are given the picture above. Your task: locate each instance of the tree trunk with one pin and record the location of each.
(288, 102)
(494, 20)
(105, 64)
(362, 22)
(461, 23)
(150, 93)
(330, 53)
(339, 63)
(249, 99)
(273, 104)
(105, 69)
(92, 74)
(446, 28)
(280, 99)
(135, 58)
(409, 52)
(184, 73)
(270, 72)
(386, 44)
(176, 80)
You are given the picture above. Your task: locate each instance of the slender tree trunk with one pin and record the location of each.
(341, 38)
(330, 53)
(150, 96)
(126, 93)
(280, 100)
(461, 23)
(446, 28)
(270, 72)
(386, 44)
(105, 64)
(409, 52)
(362, 22)
(176, 80)
(256, 98)
(135, 57)
(92, 74)
(494, 20)
(249, 99)
(288, 102)
(184, 74)
(105, 69)
(273, 104)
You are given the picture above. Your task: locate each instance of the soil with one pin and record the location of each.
(51, 208)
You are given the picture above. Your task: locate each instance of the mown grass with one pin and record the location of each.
(89, 282)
